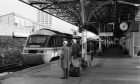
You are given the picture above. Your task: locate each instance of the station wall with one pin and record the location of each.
(132, 43)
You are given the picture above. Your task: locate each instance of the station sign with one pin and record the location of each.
(134, 27)
(106, 34)
(137, 18)
(109, 27)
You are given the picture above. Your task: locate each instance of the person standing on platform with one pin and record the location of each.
(65, 55)
(74, 53)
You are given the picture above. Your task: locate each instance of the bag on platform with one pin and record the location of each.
(84, 64)
(74, 71)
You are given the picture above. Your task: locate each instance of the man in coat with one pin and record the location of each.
(65, 55)
(74, 53)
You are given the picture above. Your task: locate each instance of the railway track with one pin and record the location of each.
(14, 68)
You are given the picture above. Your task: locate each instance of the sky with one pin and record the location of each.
(15, 6)
(20, 8)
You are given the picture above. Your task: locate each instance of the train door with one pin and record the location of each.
(51, 49)
(59, 44)
(56, 48)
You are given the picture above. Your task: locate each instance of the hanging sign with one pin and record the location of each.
(106, 34)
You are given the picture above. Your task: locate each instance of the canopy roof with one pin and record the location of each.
(97, 11)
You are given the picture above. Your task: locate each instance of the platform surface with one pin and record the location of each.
(102, 71)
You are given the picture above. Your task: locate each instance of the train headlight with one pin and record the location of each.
(45, 51)
(26, 51)
(40, 51)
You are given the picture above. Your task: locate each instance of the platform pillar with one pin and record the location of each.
(100, 44)
(84, 32)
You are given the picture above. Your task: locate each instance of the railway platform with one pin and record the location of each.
(103, 70)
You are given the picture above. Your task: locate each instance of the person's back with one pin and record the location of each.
(74, 50)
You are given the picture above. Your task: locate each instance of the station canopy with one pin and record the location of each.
(96, 11)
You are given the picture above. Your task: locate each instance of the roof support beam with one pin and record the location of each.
(83, 11)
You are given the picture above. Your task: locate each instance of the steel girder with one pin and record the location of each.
(62, 9)
(70, 10)
(100, 11)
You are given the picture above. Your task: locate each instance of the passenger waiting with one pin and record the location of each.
(74, 53)
(65, 55)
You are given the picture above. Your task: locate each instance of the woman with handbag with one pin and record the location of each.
(74, 53)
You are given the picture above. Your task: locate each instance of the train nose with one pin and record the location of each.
(46, 58)
(33, 59)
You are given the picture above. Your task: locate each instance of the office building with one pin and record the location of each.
(12, 23)
(44, 19)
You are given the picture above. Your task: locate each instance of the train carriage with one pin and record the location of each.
(43, 45)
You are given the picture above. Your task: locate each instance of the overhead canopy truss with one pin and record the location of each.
(103, 11)
(70, 10)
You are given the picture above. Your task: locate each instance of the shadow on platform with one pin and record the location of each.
(115, 53)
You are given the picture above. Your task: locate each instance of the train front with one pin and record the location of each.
(35, 51)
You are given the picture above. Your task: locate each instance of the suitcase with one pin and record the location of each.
(84, 64)
(74, 71)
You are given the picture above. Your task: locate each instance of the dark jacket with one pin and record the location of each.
(74, 50)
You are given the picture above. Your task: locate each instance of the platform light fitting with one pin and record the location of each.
(128, 3)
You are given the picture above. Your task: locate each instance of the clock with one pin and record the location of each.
(123, 26)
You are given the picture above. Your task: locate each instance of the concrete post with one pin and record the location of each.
(84, 45)
(84, 39)
(83, 11)
(133, 50)
(99, 41)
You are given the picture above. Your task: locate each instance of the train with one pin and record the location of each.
(44, 45)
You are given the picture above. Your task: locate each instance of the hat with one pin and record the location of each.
(65, 42)
(74, 40)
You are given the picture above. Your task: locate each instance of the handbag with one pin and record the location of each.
(75, 62)
(74, 71)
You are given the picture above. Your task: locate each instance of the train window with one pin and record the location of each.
(60, 42)
(69, 42)
(55, 41)
(51, 42)
(37, 41)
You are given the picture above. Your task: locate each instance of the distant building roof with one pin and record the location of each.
(15, 14)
